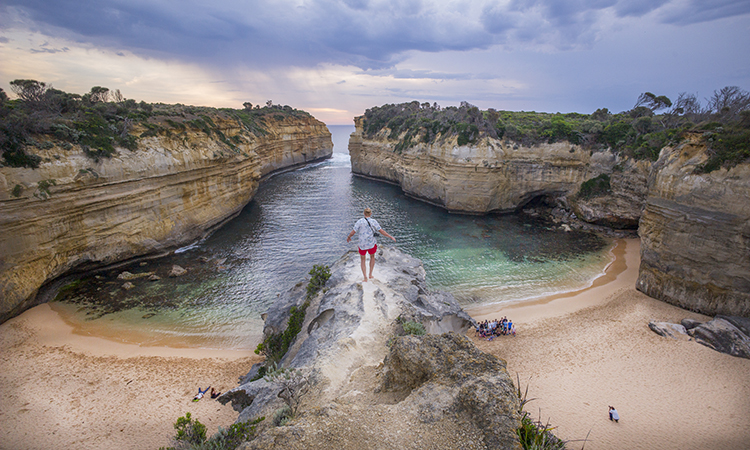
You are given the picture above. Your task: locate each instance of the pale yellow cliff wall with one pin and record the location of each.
(492, 175)
(168, 192)
(695, 233)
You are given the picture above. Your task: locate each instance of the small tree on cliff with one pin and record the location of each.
(29, 90)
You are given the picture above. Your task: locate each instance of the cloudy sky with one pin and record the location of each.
(336, 58)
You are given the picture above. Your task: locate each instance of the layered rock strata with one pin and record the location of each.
(432, 391)
(695, 233)
(74, 213)
(500, 175)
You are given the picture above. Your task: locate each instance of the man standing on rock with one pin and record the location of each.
(366, 227)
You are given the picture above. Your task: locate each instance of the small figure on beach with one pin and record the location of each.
(200, 394)
(613, 414)
(367, 227)
(214, 394)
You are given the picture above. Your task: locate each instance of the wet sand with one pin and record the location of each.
(581, 352)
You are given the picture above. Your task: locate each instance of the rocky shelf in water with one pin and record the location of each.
(370, 385)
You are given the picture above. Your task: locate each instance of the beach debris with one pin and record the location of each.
(154, 277)
(128, 286)
(133, 276)
(670, 330)
(177, 271)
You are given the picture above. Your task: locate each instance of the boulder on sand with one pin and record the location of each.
(725, 334)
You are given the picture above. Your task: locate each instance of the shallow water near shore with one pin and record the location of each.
(301, 218)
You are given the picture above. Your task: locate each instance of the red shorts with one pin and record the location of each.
(370, 251)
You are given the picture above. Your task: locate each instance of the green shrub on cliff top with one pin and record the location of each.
(639, 133)
(101, 121)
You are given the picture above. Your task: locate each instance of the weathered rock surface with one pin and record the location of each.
(469, 381)
(621, 208)
(695, 234)
(689, 324)
(670, 330)
(177, 271)
(730, 335)
(499, 175)
(170, 191)
(465, 394)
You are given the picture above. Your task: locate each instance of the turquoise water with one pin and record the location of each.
(301, 218)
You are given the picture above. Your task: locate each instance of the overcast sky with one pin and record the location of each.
(336, 58)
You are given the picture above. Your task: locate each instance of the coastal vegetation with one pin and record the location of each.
(191, 435)
(641, 132)
(275, 345)
(44, 118)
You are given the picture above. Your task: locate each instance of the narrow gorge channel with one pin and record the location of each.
(301, 218)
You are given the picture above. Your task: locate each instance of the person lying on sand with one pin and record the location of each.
(200, 394)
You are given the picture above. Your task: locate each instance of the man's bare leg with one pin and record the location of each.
(372, 264)
(364, 267)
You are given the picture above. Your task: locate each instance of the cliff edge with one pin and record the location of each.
(695, 233)
(371, 386)
(499, 175)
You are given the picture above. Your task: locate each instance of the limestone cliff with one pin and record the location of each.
(74, 212)
(695, 233)
(500, 175)
(367, 386)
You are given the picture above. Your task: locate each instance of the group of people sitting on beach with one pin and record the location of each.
(491, 328)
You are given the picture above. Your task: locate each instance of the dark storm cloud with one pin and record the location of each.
(365, 33)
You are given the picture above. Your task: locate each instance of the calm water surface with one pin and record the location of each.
(301, 218)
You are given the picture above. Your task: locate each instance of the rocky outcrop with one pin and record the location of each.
(730, 335)
(471, 382)
(622, 207)
(355, 399)
(670, 330)
(74, 213)
(500, 175)
(695, 233)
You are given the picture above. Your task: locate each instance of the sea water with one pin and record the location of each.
(301, 218)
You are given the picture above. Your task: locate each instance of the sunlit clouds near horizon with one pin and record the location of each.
(337, 58)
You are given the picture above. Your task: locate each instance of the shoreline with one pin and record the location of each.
(580, 352)
(619, 274)
(62, 390)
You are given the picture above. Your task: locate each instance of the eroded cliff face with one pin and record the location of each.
(499, 175)
(695, 233)
(622, 207)
(75, 213)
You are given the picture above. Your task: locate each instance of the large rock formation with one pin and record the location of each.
(730, 335)
(74, 213)
(500, 175)
(435, 391)
(622, 207)
(695, 233)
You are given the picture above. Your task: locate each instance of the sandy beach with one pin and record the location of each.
(581, 352)
(63, 390)
(578, 352)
